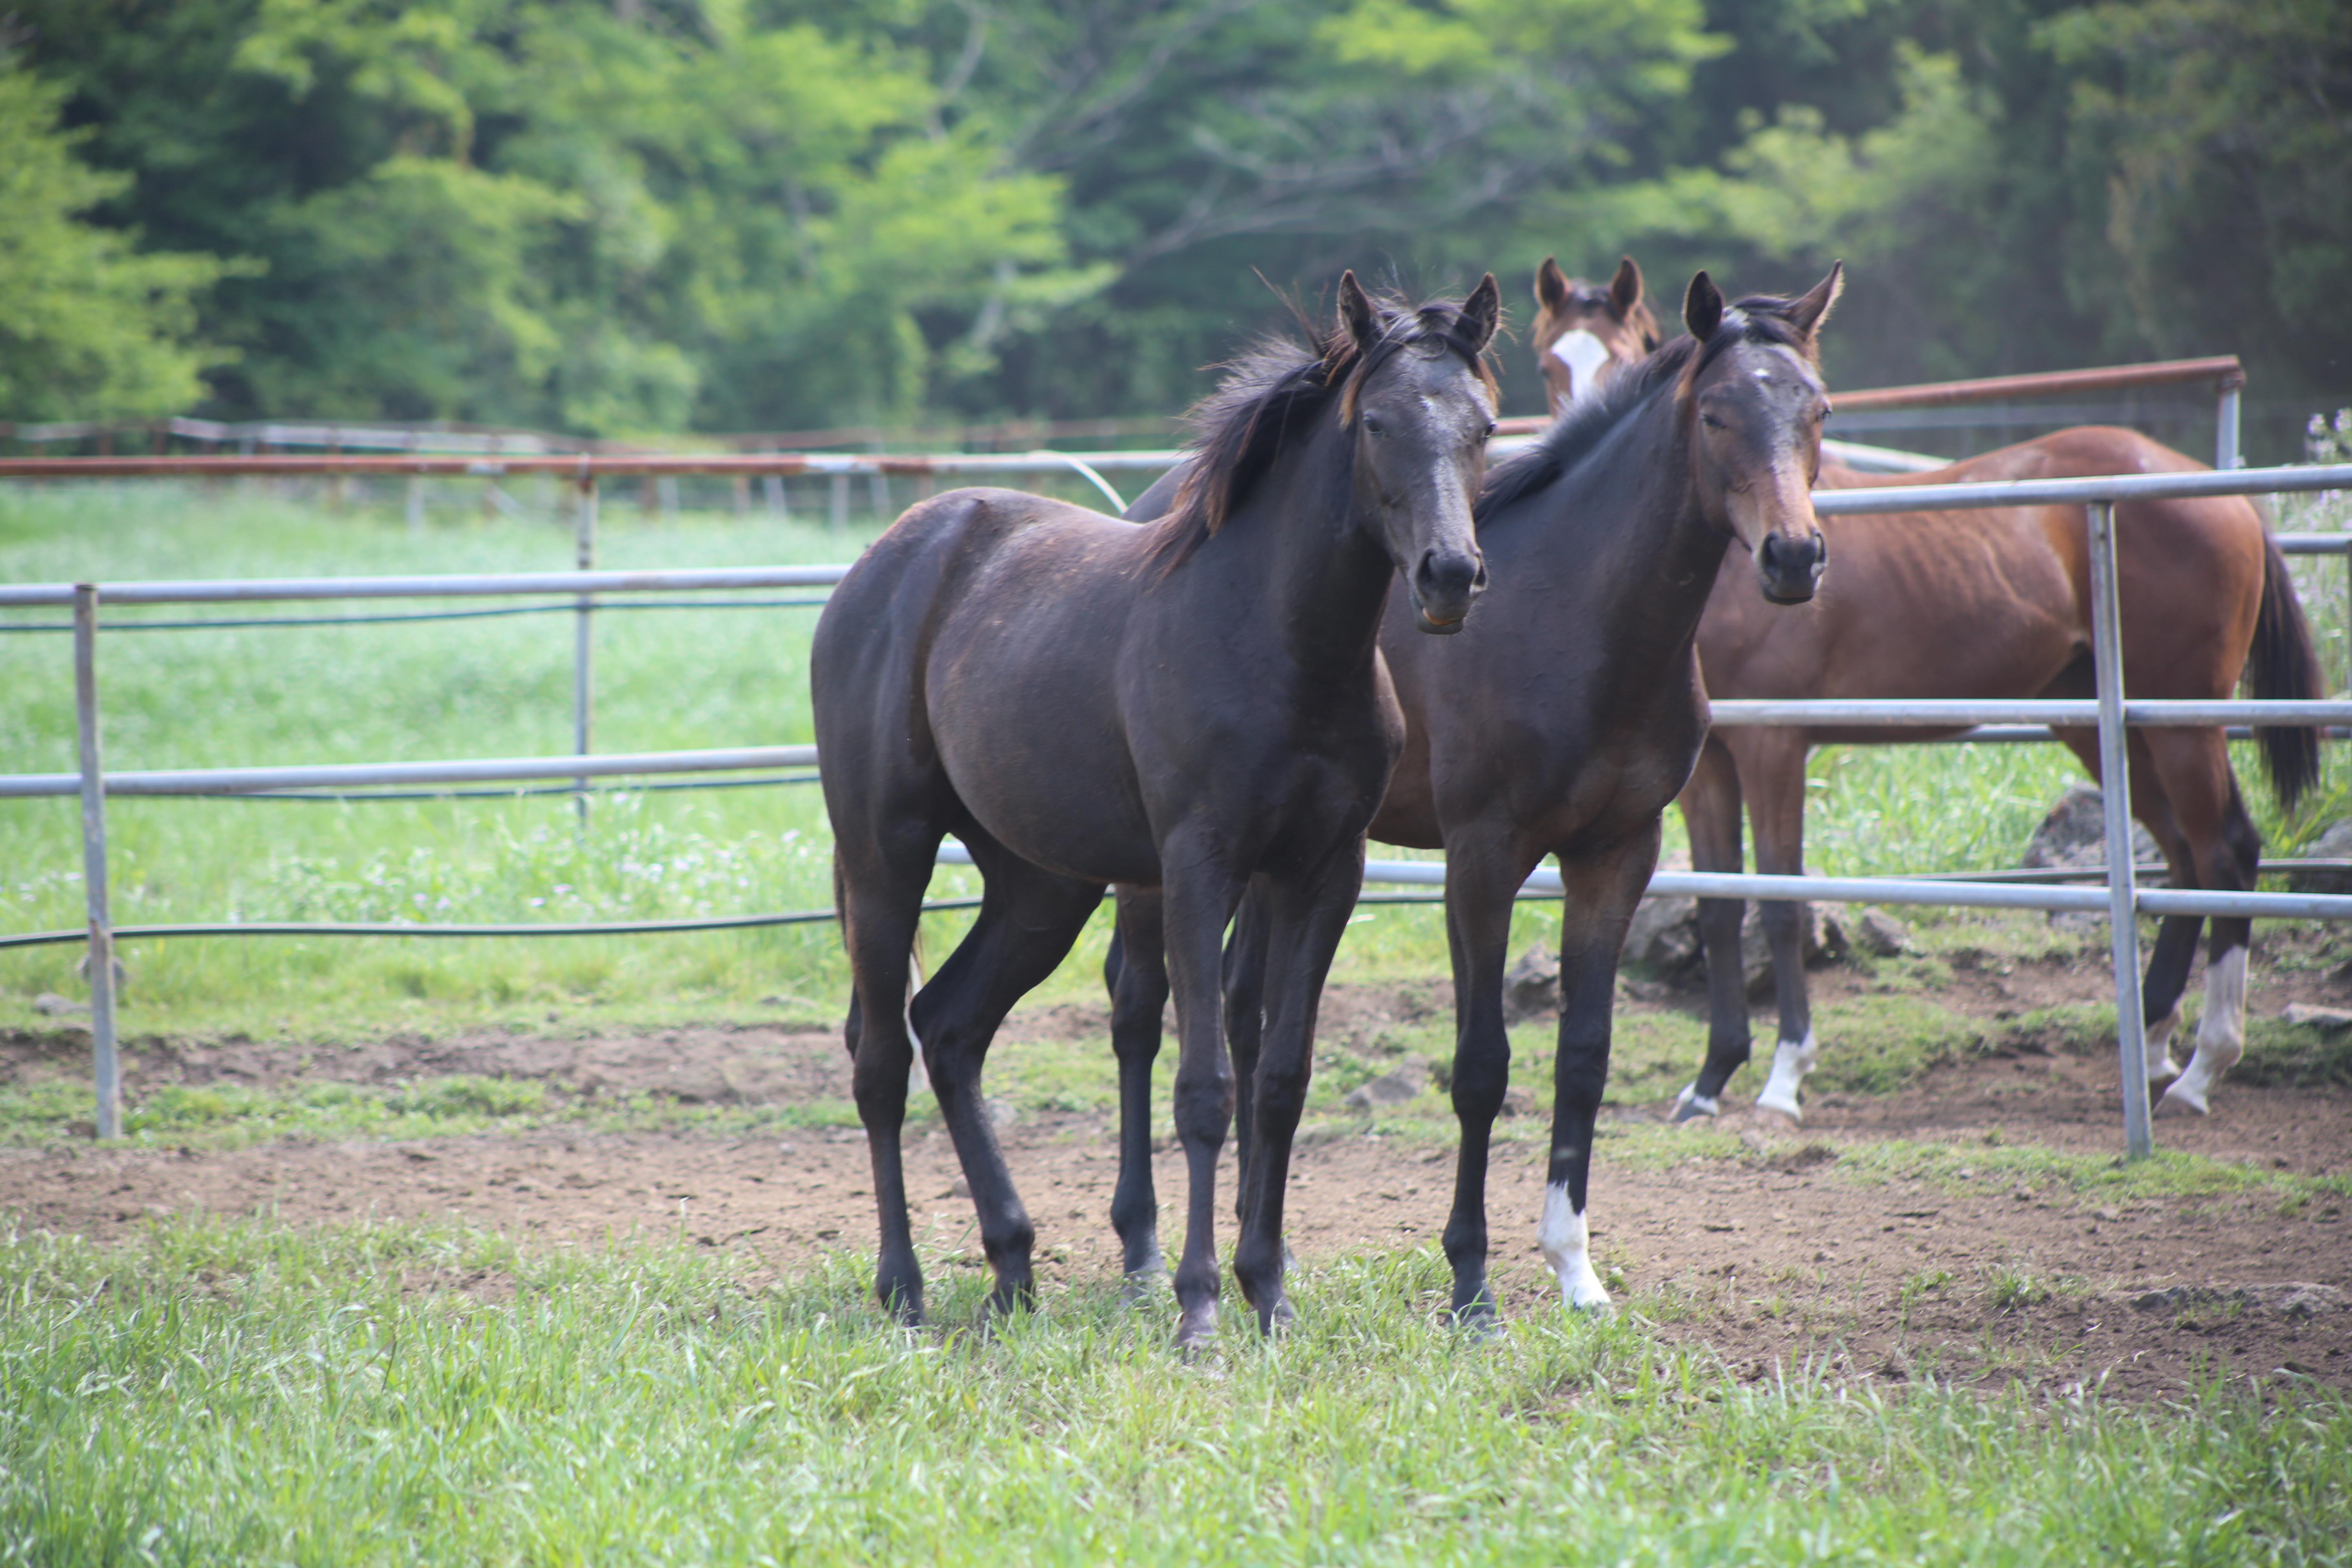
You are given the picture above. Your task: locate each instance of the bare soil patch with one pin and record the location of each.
(1776, 1260)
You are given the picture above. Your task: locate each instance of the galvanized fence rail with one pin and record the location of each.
(2110, 712)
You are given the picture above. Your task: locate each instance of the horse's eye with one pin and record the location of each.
(1372, 425)
(1711, 421)
(1489, 431)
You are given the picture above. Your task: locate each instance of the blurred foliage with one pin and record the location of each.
(87, 320)
(623, 215)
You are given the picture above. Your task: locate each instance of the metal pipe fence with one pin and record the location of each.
(2110, 712)
(2227, 376)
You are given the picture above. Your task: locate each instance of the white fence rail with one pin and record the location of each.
(2110, 714)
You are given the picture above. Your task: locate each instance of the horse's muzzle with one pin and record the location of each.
(1790, 568)
(1443, 587)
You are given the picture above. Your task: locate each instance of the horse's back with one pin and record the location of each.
(1994, 601)
(976, 613)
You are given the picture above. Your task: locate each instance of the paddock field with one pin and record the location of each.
(556, 1250)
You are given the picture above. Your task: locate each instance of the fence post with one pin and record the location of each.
(837, 518)
(582, 649)
(2115, 793)
(2225, 434)
(107, 1068)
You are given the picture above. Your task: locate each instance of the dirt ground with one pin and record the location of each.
(1776, 1260)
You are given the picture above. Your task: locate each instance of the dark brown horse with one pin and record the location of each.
(1585, 334)
(1996, 603)
(1198, 706)
(1561, 723)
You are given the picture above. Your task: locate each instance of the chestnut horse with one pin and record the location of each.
(1584, 335)
(1561, 723)
(1198, 706)
(1996, 602)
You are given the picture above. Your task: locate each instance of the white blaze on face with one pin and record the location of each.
(1583, 355)
(1566, 1246)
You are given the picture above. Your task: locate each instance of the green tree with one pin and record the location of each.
(90, 326)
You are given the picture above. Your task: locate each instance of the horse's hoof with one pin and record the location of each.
(1690, 1104)
(1196, 1330)
(1278, 1318)
(1595, 1304)
(1142, 1284)
(2183, 1099)
(2163, 1070)
(1791, 1060)
(1478, 1322)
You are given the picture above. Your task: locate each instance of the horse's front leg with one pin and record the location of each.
(1482, 873)
(1197, 899)
(1302, 922)
(1599, 893)
(1136, 971)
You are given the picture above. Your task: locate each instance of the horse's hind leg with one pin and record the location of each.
(1136, 971)
(2193, 769)
(2153, 804)
(1028, 919)
(1711, 810)
(880, 902)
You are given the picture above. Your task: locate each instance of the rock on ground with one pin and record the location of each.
(2074, 834)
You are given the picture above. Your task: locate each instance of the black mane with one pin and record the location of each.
(1280, 385)
(1758, 318)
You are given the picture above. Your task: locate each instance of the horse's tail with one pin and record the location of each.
(2283, 667)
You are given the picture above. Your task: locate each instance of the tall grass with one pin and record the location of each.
(223, 1393)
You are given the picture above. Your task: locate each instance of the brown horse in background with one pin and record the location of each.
(1995, 603)
(1586, 334)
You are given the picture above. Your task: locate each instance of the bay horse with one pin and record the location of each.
(1995, 603)
(1584, 334)
(1198, 706)
(1561, 723)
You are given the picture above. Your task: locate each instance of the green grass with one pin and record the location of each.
(218, 1392)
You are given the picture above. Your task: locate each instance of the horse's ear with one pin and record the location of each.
(1358, 315)
(1551, 284)
(1702, 307)
(1482, 312)
(1626, 288)
(1808, 313)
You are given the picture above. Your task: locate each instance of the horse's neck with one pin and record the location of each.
(1325, 579)
(1664, 551)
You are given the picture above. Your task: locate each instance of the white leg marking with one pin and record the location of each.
(2161, 1065)
(1791, 1060)
(1690, 1103)
(919, 1078)
(1565, 1243)
(2221, 1037)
